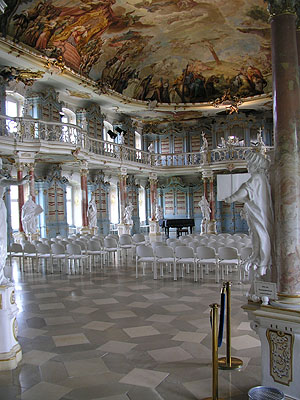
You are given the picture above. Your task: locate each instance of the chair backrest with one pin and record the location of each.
(94, 245)
(43, 248)
(73, 249)
(227, 253)
(164, 252)
(16, 248)
(245, 252)
(194, 244)
(176, 244)
(170, 240)
(144, 251)
(204, 252)
(184, 252)
(36, 242)
(125, 240)
(80, 243)
(138, 237)
(110, 242)
(158, 243)
(57, 248)
(29, 248)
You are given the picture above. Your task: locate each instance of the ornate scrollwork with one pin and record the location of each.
(281, 356)
(230, 102)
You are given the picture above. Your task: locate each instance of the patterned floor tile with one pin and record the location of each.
(139, 331)
(114, 346)
(144, 377)
(98, 325)
(70, 340)
(172, 354)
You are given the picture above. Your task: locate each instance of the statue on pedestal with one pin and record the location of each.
(256, 194)
(4, 182)
(128, 214)
(205, 210)
(30, 211)
(92, 213)
(159, 214)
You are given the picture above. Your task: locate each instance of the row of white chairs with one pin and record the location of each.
(183, 256)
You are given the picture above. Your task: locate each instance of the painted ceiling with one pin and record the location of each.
(166, 51)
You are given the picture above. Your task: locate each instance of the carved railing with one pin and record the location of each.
(21, 129)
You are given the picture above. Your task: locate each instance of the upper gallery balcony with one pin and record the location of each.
(73, 143)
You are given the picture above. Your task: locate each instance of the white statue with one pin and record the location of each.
(128, 214)
(30, 211)
(204, 146)
(151, 148)
(256, 194)
(205, 209)
(3, 220)
(159, 213)
(92, 213)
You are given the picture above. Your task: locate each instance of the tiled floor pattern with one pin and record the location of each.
(107, 335)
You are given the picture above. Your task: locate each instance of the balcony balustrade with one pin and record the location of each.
(21, 129)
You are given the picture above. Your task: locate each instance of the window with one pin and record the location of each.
(114, 204)
(138, 145)
(13, 108)
(142, 205)
(69, 201)
(14, 204)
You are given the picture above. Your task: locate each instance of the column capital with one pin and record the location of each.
(123, 172)
(153, 176)
(278, 7)
(207, 175)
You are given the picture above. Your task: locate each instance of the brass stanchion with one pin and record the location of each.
(214, 318)
(229, 362)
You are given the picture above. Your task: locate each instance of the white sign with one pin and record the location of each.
(266, 289)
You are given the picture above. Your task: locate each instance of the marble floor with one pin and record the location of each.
(107, 335)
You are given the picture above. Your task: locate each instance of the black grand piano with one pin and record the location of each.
(179, 224)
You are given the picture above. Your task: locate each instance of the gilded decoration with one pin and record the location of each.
(15, 329)
(13, 297)
(277, 7)
(179, 51)
(281, 356)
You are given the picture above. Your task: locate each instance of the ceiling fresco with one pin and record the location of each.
(166, 51)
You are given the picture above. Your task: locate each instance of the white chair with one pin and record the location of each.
(228, 256)
(30, 252)
(95, 250)
(44, 253)
(138, 239)
(165, 255)
(75, 257)
(194, 245)
(125, 243)
(59, 254)
(144, 255)
(244, 253)
(184, 255)
(110, 246)
(206, 257)
(16, 250)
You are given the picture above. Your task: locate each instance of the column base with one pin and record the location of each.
(10, 360)
(212, 226)
(85, 230)
(10, 350)
(279, 332)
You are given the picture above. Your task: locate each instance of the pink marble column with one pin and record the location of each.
(286, 136)
(20, 195)
(212, 198)
(123, 193)
(153, 195)
(31, 182)
(84, 197)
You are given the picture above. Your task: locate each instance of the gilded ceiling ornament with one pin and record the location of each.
(56, 65)
(277, 7)
(230, 102)
(25, 76)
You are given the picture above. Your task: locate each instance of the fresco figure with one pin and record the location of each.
(30, 211)
(4, 182)
(256, 194)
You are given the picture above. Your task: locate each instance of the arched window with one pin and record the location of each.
(69, 134)
(114, 204)
(142, 205)
(107, 126)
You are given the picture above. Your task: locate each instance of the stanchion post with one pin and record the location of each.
(229, 362)
(214, 320)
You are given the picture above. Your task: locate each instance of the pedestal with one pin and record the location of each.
(85, 230)
(279, 333)
(19, 237)
(124, 229)
(154, 232)
(10, 350)
(212, 226)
